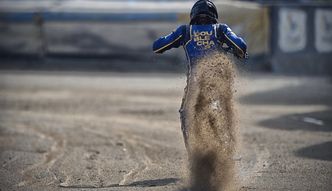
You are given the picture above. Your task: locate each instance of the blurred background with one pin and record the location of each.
(288, 37)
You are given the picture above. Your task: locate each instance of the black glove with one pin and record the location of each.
(240, 55)
(246, 56)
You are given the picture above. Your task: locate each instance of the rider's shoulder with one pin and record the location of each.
(180, 29)
(222, 26)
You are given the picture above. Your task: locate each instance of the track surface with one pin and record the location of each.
(108, 131)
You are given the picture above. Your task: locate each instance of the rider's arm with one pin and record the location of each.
(173, 40)
(236, 43)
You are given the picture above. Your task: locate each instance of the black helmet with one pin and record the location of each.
(204, 8)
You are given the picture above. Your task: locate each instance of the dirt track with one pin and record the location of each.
(62, 131)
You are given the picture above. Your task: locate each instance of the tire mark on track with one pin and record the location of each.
(254, 164)
(137, 151)
(50, 157)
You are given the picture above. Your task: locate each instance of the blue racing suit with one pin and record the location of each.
(198, 41)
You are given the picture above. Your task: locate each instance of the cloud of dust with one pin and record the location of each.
(211, 124)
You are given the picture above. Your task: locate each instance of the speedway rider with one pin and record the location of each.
(203, 35)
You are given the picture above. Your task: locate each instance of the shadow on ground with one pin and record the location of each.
(150, 183)
(313, 121)
(309, 94)
(153, 183)
(143, 183)
(321, 151)
(302, 95)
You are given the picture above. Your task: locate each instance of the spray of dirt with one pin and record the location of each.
(211, 124)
